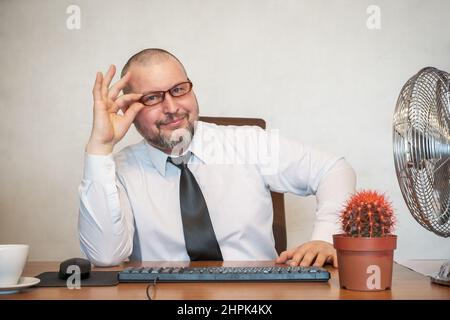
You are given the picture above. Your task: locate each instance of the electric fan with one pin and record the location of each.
(421, 138)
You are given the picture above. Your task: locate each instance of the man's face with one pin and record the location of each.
(163, 123)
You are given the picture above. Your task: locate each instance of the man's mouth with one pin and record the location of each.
(173, 123)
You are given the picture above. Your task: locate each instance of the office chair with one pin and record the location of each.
(279, 217)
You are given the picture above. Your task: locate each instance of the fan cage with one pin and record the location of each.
(421, 138)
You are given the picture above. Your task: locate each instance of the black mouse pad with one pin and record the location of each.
(96, 279)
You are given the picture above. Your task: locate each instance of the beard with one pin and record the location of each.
(176, 141)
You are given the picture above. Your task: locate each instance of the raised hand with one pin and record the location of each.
(109, 127)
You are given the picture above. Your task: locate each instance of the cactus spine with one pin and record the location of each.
(368, 214)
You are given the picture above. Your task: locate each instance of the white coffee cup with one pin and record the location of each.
(12, 261)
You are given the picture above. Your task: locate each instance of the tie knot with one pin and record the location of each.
(180, 162)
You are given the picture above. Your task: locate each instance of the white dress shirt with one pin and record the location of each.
(130, 207)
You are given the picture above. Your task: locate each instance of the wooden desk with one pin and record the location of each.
(406, 285)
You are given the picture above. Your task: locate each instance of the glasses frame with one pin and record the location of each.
(163, 93)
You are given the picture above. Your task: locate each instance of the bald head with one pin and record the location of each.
(148, 57)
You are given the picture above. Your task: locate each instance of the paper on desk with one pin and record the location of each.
(425, 267)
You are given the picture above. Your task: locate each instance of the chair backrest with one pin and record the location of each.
(279, 218)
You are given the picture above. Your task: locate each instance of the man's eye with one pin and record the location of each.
(178, 90)
(150, 98)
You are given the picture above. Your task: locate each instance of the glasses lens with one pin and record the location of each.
(152, 98)
(181, 89)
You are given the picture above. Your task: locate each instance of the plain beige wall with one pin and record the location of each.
(311, 68)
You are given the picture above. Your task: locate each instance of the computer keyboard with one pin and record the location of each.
(195, 274)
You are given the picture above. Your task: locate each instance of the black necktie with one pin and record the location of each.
(201, 242)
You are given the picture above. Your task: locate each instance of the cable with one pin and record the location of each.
(154, 289)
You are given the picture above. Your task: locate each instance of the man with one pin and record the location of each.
(137, 204)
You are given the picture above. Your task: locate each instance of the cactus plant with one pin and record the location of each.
(367, 214)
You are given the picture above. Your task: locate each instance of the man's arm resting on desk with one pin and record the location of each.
(105, 222)
(305, 171)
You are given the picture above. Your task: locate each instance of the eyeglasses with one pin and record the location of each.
(155, 97)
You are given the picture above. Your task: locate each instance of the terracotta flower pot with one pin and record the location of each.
(365, 264)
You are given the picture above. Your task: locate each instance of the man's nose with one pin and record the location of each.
(169, 104)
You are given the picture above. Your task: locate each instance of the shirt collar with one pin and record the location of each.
(157, 158)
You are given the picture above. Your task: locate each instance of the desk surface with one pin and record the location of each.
(406, 285)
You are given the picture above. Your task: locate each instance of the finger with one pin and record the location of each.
(308, 258)
(119, 85)
(107, 80)
(285, 255)
(132, 111)
(96, 90)
(124, 101)
(321, 259)
(298, 256)
(282, 257)
(334, 258)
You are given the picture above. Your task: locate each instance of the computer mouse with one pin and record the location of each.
(83, 264)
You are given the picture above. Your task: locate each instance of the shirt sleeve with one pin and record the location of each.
(300, 169)
(105, 221)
